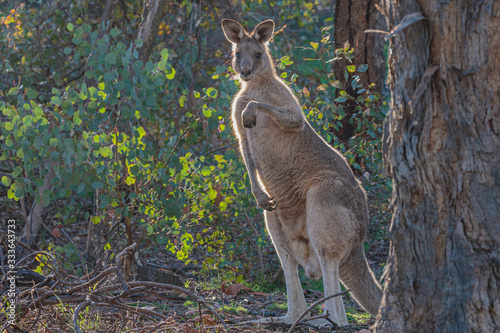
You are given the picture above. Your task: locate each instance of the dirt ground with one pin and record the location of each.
(165, 295)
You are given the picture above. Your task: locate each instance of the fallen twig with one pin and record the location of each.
(108, 289)
(297, 321)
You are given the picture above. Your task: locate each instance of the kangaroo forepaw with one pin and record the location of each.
(267, 203)
(249, 116)
(249, 122)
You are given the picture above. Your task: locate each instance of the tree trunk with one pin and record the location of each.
(151, 19)
(35, 220)
(443, 270)
(352, 18)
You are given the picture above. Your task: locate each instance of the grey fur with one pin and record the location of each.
(315, 209)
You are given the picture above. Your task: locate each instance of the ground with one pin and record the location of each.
(115, 305)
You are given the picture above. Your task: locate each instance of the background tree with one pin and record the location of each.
(444, 126)
(352, 18)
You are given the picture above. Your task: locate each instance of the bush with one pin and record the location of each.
(149, 144)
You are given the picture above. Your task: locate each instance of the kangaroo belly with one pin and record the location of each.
(306, 257)
(291, 234)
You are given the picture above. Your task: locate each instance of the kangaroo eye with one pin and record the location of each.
(258, 55)
(237, 55)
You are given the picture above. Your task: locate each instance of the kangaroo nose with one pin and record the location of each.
(246, 72)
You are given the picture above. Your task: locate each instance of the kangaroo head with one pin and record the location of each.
(250, 55)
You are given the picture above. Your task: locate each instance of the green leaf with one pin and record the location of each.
(17, 171)
(95, 219)
(70, 26)
(80, 188)
(106, 152)
(212, 92)
(97, 185)
(6, 181)
(110, 58)
(38, 112)
(141, 131)
(182, 100)
(286, 60)
(139, 43)
(171, 75)
(133, 170)
(212, 194)
(206, 111)
(76, 119)
(341, 99)
(314, 45)
(114, 32)
(351, 68)
(161, 239)
(13, 91)
(9, 126)
(53, 142)
(205, 171)
(363, 68)
(32, 94)
(56, 100)
(137, 66)
(67, 50)
(164, 54)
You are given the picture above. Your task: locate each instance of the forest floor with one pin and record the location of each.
(179, 301)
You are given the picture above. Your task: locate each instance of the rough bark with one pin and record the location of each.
(151, 19)
(352, 18)
(443, 271)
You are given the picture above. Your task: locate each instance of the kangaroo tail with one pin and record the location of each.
(357, 276)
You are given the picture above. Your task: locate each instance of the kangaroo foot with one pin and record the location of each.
(290, 320)
(283, 320)
(325, 323)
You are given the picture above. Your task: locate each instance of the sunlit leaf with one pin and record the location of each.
(205, 171)
(212, 92)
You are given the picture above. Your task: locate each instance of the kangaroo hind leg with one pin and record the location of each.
(331, 233)
(295, 297)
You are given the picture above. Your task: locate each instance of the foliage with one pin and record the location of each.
(149, 144)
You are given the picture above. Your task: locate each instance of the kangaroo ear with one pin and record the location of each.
(233, 31)
(264, 31)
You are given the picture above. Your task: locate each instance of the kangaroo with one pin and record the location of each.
(315, 209)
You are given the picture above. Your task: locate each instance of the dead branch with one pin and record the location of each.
(405, 22)
(108, 289)
(318, 302)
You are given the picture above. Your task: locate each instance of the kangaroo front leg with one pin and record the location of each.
(286, 118)
(263, 200)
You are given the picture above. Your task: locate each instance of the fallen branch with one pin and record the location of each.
(108, 289)
(318, 302)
